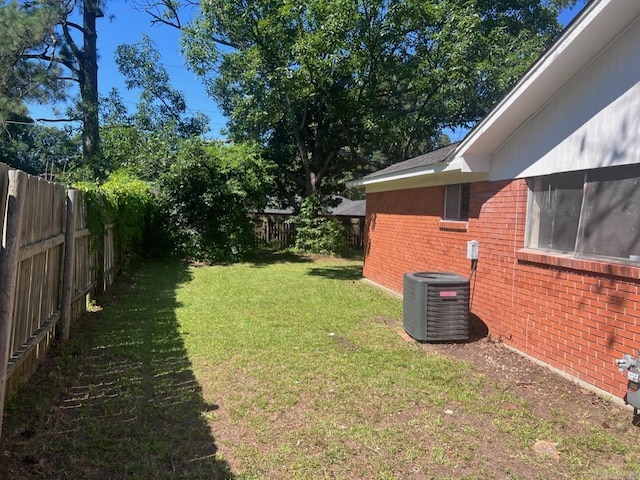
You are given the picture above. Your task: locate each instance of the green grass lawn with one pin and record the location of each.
(285, 369)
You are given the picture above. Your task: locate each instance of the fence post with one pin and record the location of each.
(100, 260)
(9, 254)
(73, 197)
(268, 234)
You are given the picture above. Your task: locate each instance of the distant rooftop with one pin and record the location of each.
(349, 208)
(346, 208)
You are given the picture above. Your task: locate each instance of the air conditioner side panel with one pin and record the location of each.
(414, 308)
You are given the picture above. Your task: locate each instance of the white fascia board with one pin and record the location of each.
(596, 26)
(401, 175)
(443, 178)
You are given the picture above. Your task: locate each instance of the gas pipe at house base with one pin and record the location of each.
(632, 367)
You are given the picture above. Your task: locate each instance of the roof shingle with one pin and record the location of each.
(424, 160)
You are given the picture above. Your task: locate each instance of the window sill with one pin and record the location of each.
(571, 262)
(453, 225)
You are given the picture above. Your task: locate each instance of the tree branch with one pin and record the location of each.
(77, 27)
(67, 36)
(325, 166)
(51, 59)
(159, 19)
(56, 120)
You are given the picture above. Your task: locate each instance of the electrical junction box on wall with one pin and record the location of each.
(473, 247)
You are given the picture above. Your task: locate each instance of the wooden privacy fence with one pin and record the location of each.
(275, 230)
(48, 266)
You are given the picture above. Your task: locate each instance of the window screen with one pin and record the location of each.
(557, 201)
(590, 214)
(611, 225)
(457, 201)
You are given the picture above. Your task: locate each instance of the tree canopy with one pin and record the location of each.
(330, 85)
(25, 30)
(146, 141)
(47, 45)
(38, 149)
(160, 104)
(207, 196)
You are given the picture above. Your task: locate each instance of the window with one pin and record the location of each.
(589, 214)
(456, 201)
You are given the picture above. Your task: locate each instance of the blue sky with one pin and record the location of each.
(128, 26)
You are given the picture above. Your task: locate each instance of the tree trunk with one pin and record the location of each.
(312, 184)
(88, 76)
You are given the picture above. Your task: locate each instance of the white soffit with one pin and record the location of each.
(596, 26)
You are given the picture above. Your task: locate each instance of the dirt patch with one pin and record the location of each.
(542, 388)
(344, 343)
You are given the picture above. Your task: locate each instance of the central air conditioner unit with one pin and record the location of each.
(436, 306)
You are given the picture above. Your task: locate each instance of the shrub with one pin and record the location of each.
(122, 199)
(207, 198)
(316, 231)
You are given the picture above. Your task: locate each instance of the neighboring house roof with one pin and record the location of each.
(593, 29)
(350, 208)
(346, 208)
(278, 211)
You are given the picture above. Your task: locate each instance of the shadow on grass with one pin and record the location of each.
(134, 408)
(267, 257)
(338, 272)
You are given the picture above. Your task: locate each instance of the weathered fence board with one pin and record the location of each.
(109, 256)
(34, 269)
(276, 230)
(9, 251)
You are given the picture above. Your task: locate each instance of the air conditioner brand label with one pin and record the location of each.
(447, 293)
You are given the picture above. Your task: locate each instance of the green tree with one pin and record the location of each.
(207, 198)
(146, 141)
(146, 154)
(316, 231)
(25, 30)
(38, 149)
(331, 83)
(69, 52)
(160, 106)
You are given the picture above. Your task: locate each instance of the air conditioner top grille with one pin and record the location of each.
(435, 278)
(435, 274)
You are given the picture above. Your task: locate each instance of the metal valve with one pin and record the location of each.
(631, 365)
(626, 362)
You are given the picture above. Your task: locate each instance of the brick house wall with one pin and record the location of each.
(575, 315)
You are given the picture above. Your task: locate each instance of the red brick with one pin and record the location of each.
(575, 314)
